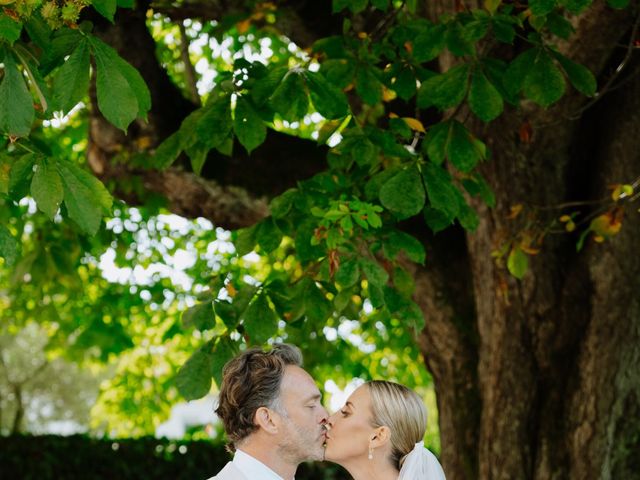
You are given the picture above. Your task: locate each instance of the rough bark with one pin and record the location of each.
(532, 341)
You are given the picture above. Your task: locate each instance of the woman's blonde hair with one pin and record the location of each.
(401, 410)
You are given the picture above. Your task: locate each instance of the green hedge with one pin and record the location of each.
(50, 457)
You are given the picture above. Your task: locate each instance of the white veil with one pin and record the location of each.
(421, 464)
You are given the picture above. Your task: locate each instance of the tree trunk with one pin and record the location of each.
(556, 378)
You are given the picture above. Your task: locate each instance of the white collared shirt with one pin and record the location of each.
(253, 469)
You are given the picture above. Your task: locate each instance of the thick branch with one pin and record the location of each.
(303, 22)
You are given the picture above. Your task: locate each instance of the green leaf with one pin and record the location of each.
(327, 99)
(117, 99)
(167, 152)
(580, 76)
(619, 4)
(46, 188)
(457, 40)
(446, 90)
(376, 295)
(518, 71)
(290, 98)
(245, 240)
(260, 321)
(484, 98)
(265, 86)
(9, 246)
(268, 235)
(199, 316)
(348, 273)
(194, 377)
(9, 29)
(405, 84)
(16, 104)
(85, 197)
(227, 313)
(461, 150)
(248, 126)
(71, 83)
(403, 194)
(305, 250)
(577, 6)
(503, 30)
(518, 262)
(467, 216)
(541, 7)
(413, 315)
(544, 83)
(399, 241)
(403, 281)
(436, 141)
(338, 71)
(316, 306)
(242, 298)
(380, 4)
(437, 220)
(106, 8)
(374, 272)
(476, 185)
(429, 43)
(442, 194)
(20, 176)
(215, 125)
(368, 85)
(197, 154)
(281, 205)
(559, 25)
(39, 31)
(224, 350)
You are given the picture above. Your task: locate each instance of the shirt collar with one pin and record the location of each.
(253, 468)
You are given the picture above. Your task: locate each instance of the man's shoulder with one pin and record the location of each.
(229, 472)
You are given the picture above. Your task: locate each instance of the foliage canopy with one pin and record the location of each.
(334, 247)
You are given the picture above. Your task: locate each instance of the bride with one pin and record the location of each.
(378, 434)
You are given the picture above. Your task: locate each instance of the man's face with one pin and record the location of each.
(303, 432)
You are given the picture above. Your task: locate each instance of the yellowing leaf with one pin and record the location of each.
(530, 250)
(565, 218)
(606, 225)
(515, 211)
(414, 124)
(492, 5)
(621, 191)
(388, 94)
(243, 26)
(231, 290)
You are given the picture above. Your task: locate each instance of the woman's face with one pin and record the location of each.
(350, 429)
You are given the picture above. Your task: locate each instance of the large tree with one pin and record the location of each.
(460, 137)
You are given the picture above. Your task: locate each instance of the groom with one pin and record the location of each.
(272, 414)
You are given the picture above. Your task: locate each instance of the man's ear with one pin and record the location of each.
(380, 437)
(266, 420)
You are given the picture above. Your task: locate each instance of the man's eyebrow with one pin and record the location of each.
(350, 405)
(316, 396)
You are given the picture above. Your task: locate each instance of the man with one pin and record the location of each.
(271, 411)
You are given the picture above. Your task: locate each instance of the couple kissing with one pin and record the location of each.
(274, 419)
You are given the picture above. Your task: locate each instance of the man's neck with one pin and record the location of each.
(270, 458)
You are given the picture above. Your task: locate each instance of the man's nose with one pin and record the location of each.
(324, 416)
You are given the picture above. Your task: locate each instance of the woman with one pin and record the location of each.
(378, 434)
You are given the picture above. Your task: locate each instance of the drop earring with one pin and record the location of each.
(370, 456)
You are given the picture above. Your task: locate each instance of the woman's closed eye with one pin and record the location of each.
(344, 413)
